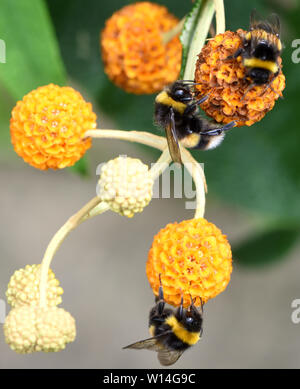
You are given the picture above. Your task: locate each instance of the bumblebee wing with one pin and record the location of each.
(150, 343)
(167, 357)
(172, 139)
(254, 19)
(275, 22)
(272, 25)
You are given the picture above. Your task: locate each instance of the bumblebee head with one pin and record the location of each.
(190, 318)
(181, 91)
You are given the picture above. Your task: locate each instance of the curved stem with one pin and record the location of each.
(220, 16)
(97, 210)
(161, 164)
(198, 176)
(57, 240)
(145, 138)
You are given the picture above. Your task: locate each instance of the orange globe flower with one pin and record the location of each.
(222, 79)
(48, 125)
(134, 54)
(193, 259)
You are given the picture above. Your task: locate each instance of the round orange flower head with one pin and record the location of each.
(231, 94)
(193, 260)
(133, 50)
(48, 125)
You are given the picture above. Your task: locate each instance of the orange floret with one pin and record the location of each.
(48, 125)
(193, 258)
(134, 55)
(223, 79)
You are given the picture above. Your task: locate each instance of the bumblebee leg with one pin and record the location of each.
(192, 301)
(201, 331)
(236, 54)
(190, 108)
(251, 86)
(180, 310)
(269, 85)
(161, 301)
(201, 301)
(218, 131)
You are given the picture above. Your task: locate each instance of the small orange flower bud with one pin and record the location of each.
(134, 55)
(194, 260)
(223, 80)
(48, 125)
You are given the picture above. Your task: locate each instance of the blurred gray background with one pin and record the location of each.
(101, 266)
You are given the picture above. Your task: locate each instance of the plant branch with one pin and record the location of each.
(198, 176)
(161, 164)
(145, 138)
(57, 240)
(220, 16)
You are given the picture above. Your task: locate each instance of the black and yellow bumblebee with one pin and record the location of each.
(261, 49)
(176, 111)
(172, 332)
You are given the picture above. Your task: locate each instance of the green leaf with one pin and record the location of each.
(32, 55)
(188, 32)
(198, 37)
(265, 248)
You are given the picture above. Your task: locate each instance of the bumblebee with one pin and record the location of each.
(176, 111)
(172, 332)
(261, 50)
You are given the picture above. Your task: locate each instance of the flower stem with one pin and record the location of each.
(220, 16)
(161, 164)
(57, 240)
(198, 176)
(169, 35)
(97, 210)
(145, 138)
